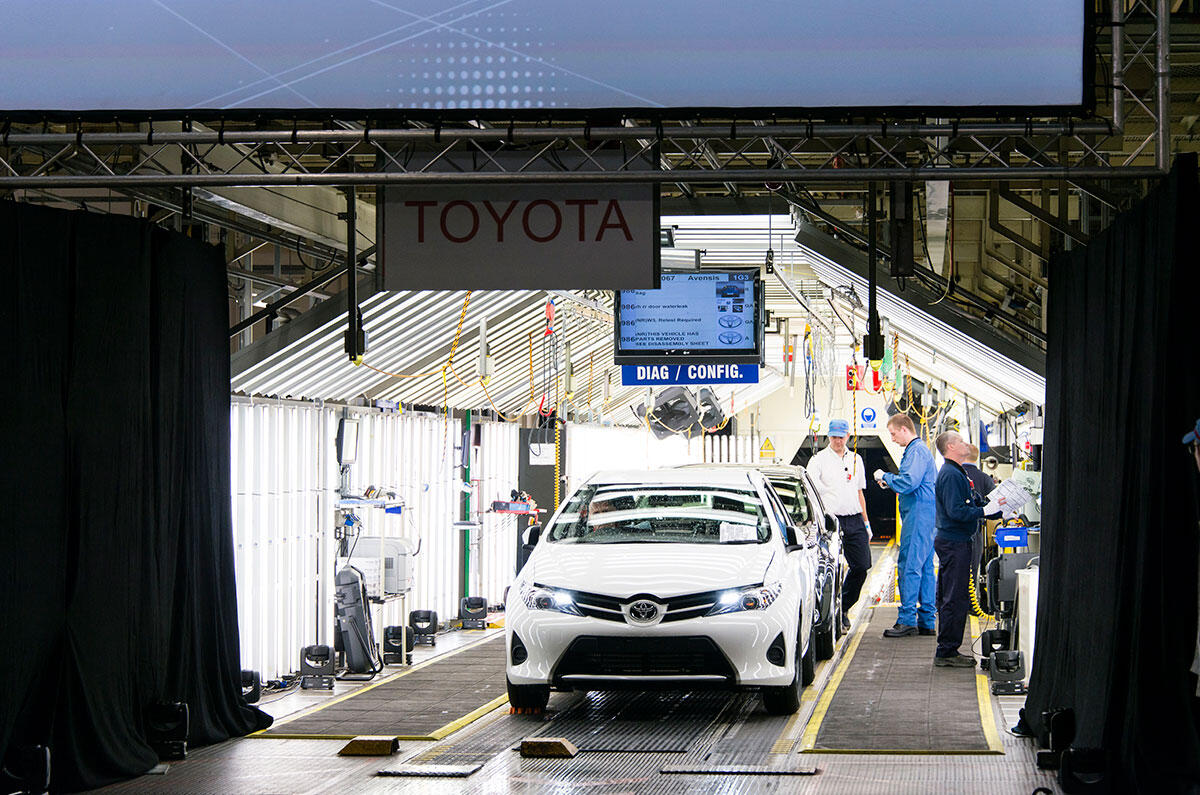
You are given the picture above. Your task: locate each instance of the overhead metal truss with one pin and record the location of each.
(1132, 142)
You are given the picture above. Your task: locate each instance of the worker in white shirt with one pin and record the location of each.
(839, 475)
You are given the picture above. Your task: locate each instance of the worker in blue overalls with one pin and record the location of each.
(914, 484)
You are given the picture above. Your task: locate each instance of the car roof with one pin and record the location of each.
(741, 476)
(770, 470)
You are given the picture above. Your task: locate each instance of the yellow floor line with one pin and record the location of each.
(983, 692)
(470, 717)
(359, 691)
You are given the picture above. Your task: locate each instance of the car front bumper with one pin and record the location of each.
(727, 650)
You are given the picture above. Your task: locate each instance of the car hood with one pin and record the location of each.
(663, 570)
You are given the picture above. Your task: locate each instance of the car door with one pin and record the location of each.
(802, 556)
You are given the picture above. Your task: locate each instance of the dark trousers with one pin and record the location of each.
(857, 550)
(953, 595)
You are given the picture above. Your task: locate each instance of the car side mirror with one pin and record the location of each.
(535, 534)
(831, 524)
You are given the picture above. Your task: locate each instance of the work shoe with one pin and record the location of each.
(845, 624)
(957, 661)
(926, 631)
(899, 631)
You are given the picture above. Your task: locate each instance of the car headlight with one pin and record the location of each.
(758, 597)
(537, 597)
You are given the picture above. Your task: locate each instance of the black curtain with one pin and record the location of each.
(1117, 617)
(117, 573)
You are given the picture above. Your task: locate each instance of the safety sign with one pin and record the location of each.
(866, 419)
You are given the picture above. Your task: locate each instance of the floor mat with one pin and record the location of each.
(888, 697)
(426, 702)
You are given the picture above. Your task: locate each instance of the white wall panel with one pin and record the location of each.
(277, 493)
(284, 479)
(494, 474)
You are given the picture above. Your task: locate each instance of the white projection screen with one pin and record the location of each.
(539, 55)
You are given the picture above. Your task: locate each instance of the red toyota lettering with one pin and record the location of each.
(474, 221)
(613, 208)
(421, 205)
(557, 221)
(500, 219)
(582, 205)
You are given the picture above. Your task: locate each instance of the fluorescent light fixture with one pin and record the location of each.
(992, 368)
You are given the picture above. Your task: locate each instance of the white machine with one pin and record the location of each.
(385, 563)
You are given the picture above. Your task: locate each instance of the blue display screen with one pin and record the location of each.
(505, 54)
(703, 312)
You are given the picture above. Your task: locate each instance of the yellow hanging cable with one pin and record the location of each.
(591, 373)
(495, 408)
(557, 448)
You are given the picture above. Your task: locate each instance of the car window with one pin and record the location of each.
(792, 495)
(781, 515)
(636, 514)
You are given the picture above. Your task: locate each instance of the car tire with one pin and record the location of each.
(822, 639)
(528, 696)
(808, 665)
(837, 609)
(785, 700)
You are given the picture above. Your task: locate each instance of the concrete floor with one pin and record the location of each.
(742, 734)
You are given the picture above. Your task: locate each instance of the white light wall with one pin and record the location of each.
(494, 475)
(280, 502)
(284, 478)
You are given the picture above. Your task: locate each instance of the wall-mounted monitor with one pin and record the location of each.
(697, 315)
(347, 441)
(541, 56)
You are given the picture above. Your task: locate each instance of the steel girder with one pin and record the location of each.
(1131, 143)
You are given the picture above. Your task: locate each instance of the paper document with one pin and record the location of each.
(1015, 497)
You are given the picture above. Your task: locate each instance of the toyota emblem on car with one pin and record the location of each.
(643, 611)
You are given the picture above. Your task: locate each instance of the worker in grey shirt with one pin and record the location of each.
(839, 476)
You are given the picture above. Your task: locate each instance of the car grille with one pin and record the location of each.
(679, 608)
(590, 655)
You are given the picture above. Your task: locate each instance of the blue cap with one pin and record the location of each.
(839, 428)
(1193, 435)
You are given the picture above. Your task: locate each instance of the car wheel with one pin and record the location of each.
(837, 609)
(528, 696)
(785, 700)
(808, 665)
(822, 638)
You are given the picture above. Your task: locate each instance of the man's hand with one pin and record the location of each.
(870, 535)
(878, 475)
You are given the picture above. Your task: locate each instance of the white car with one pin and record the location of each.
(677, 579)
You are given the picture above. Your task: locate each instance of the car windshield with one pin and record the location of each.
(632, 514)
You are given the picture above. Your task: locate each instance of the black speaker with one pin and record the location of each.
(900, 228)
(1084, 770)
(397, 645)
(316, 668)
(472, 612)
(424, 624)
(251, 686)
(167, 729)
(26, 770)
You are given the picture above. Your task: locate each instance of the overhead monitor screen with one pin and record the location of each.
(709, 315)
(219, 55)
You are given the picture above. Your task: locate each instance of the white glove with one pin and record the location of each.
(878, 475)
